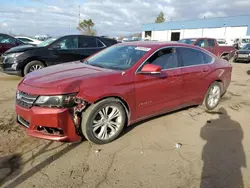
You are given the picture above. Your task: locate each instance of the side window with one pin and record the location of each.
(211, 43)
(87, 42)
(191, 56)
(166, 58)
(7, 40)
(201, 43)
(207, 58)
(70, 42)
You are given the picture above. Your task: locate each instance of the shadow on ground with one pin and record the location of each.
(12, 166)
(223, 154)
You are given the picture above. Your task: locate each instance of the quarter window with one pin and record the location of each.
(87, 42)
(194, 57)
(166, 58)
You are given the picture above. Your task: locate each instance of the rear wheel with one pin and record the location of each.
(104, 121)
(33, 66)
(213, 96)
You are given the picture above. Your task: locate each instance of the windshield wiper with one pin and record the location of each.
(96, 65)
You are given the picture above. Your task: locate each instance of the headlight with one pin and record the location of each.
(14, 55)
(59, 101)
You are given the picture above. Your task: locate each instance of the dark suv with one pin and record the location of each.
(7, 42)
(24, 59)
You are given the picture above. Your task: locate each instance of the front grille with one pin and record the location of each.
(25, 100)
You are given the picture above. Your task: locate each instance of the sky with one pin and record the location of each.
(111, 17)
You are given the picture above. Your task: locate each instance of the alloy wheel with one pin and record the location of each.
(214, 96)
(107, 122)
(35, 67)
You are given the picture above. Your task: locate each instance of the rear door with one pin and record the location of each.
(64, 50)
(157, 93)
(6, 42)
(89, 45)
(195, 71)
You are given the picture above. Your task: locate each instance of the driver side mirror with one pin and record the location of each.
(151, 69)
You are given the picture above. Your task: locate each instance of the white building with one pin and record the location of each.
(223, 27)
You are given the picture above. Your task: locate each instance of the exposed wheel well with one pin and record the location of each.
(224, 54)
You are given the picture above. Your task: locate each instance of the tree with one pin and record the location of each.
(86, 27)
(160, 18)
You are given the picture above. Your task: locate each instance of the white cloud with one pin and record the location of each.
(118, 17)
(212, 14)
(4, 25)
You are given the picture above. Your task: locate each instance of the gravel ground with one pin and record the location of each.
(214, 152)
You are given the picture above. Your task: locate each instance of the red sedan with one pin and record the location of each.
(116, 87)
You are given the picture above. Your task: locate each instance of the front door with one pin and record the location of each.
(195, 68)
(162, 92)
(64, 50)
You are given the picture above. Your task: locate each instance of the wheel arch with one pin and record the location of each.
(32, 59)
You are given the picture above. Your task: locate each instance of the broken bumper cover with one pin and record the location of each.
(48, 123)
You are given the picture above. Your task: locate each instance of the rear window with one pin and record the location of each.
(187, 41)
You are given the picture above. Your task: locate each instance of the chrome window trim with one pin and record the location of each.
(213, 59)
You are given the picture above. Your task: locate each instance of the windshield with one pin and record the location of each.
(46, 42)
(118, 57)
(187, 41)
(245, 40)
(246, 47)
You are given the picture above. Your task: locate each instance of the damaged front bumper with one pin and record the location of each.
(48, 123)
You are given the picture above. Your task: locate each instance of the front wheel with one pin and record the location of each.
(104, 121)
(32, 66)
(213, 96)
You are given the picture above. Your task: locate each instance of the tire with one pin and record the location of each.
(92, 114)
(31, 66)
(207, 100)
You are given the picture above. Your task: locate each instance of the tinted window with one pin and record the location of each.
(201, 43)
(99, 44)
(166, 58)
(7, 40)
(211, 42)
(87, 42)
(206, 58)
(191, 57)
(67, 43)
(187, 41)
(25, 40)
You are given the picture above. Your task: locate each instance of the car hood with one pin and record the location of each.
(21, 48)
(64, 78)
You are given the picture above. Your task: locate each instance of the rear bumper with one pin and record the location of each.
(60, 119)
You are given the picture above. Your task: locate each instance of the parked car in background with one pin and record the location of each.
(211, 44)
(244, 40)
(29, 40)
(25, 59)
(243, 54)
(7, 42)
(116, 87)
(222, 42)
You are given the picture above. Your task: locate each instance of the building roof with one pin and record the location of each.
(232, 21)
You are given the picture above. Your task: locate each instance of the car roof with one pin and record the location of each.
(154, 44)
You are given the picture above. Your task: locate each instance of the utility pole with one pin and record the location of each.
(79, 14)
